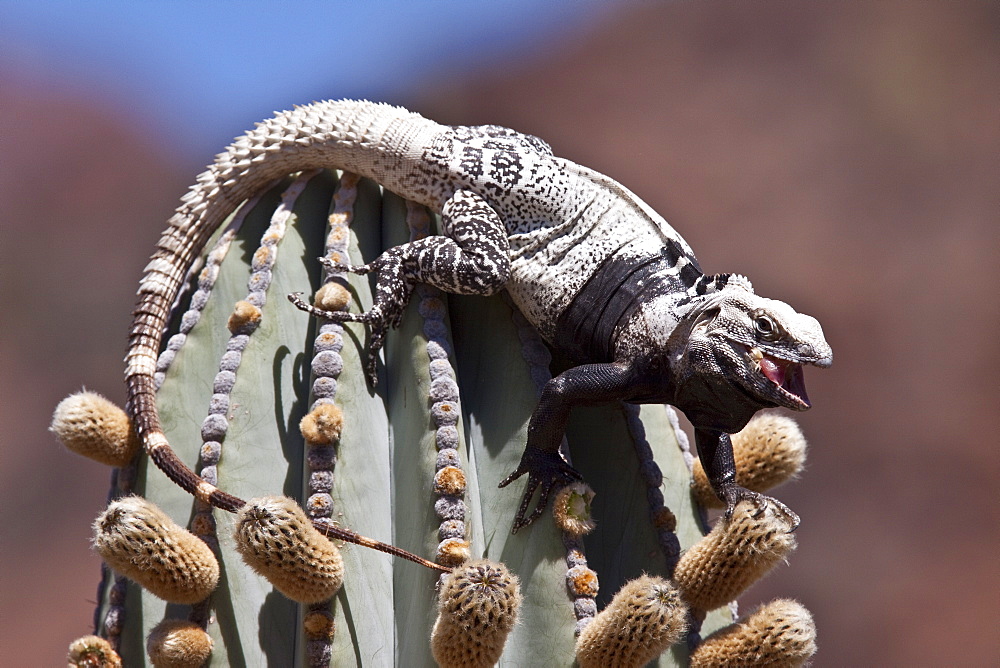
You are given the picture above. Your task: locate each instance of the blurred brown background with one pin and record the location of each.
(844, 155)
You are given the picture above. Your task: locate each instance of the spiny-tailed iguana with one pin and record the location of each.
(605, 280)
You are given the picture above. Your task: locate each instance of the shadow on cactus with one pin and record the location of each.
(266, 403)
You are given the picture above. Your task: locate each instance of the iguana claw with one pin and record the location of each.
(334, 266)
(546, 470)
(734, 494)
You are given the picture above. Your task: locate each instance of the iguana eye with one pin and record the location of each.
(766, 327)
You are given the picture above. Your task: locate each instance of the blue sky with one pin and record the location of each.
(200, 72)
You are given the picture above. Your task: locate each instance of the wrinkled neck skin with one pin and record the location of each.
(667, 367)
(714, 359)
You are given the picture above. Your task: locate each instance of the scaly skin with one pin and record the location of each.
(603, 278)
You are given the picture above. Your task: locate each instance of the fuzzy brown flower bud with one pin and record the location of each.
(477, 608)
(275, 539)
(734, 555)
(92, 652)
(453, 552)
(449, 480)
(90, 425)
(780, 634)
(178, 643)
(582, 581)
(644, 618)
(319, 625)
(322, 425)
(141, 542)
(245, 318)
(332, 296)
(571, 509)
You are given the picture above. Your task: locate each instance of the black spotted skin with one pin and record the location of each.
(515, 216)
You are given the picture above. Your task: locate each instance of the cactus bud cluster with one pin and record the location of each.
(582, 581)
(245, 318)
(644, 618)
(92, 652)
(571, 509)
(477, 608)
(275, 539)
(452, 551)
(449, 480)
(332, 296)
(780, 633)
(322, 425)
(177, 643)
(319, 625)
(90, 425)
(141, 542)
(735, 554)
(443, 398)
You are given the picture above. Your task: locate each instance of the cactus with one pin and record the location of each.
(478, 605)
(644, 618)
(263, 400)
(90, 425)
(178, 643)
(780, 633)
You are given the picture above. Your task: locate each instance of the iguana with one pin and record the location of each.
(604, 279)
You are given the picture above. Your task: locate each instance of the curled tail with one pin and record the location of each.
(374, 140)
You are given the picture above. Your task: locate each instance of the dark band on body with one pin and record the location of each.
(588, 328)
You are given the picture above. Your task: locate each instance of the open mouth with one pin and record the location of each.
(789, 378)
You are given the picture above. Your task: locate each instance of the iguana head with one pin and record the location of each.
(756, 343)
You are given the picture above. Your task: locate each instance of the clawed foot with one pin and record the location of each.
(334, 266)
(734, 494)
(374, 318)
(546, 471)
(336, 316)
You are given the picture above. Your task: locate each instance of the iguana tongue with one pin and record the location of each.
(774, 371)
(787, 375)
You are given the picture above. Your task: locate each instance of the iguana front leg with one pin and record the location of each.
(715, 449)
(546, 469)
(471, 258)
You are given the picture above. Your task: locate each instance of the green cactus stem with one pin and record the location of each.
(262, 400)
